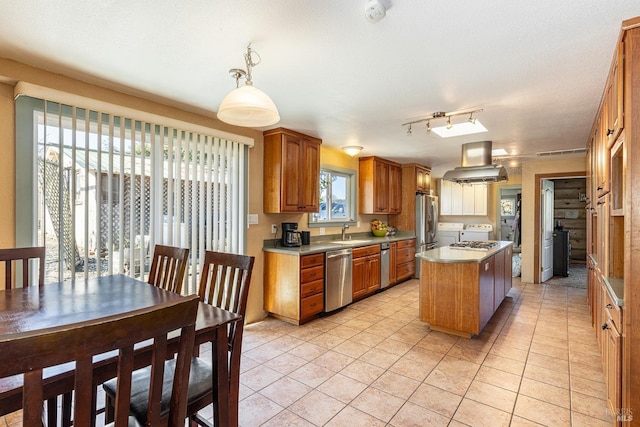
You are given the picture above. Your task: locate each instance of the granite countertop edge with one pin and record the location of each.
(446, 254)
(324, 244)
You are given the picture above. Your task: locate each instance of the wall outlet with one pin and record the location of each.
(322, 231)
(274, 228)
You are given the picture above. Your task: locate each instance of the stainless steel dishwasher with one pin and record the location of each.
(338, 290)
(384, 265)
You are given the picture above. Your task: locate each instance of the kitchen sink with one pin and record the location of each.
(350, 242)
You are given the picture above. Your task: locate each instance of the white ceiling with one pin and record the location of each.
(537, 68)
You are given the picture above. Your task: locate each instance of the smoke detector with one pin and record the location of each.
(374, 10)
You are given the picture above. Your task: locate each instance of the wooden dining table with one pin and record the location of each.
(66, 303)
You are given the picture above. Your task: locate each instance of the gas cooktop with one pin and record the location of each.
(475, 245)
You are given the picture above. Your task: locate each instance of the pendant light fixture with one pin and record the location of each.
(247, 106)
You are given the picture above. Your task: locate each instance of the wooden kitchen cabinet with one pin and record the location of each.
(294, 286)
(415, 179)
(405, 260)
(365, 275)
(379, 186)
(291, 172)
(393, 263)
(614, 97)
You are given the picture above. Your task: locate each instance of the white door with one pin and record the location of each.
(546, 230)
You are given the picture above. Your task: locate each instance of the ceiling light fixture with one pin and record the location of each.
(450, 129)
(352, 150)
(248, 106)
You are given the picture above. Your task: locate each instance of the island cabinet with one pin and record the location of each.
(294, 286)
(461, 290)
(291, 172)
(365, 276)
(379, 186)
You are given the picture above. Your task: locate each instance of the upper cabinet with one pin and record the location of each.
(380, 186)
(291, 172)
(416, 178)
(614, 96)
(462, 199)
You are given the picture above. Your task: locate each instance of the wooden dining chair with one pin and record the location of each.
(13, 258)
(167, 267)
(30, 353)
(224, 283)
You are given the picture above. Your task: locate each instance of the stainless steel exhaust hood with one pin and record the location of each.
(476, 166)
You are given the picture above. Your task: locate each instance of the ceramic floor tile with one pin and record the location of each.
(394, 346)
(542, 412)
(378, 403)
(503, 364)
(256, 410)
(341, 387)
(476, 414)
(396, 384)
(317, 407)
(308, 351)
(593, 372)
(311, 375)
(353, 417)
(591, 406)
(436, 400)
(546, 392)
(499, 378)
(379, 358)
(546, 375)
(285, 391)
(285, 363)
(362, 371)
(333, 360)
(412, 415)
(553, 363)
(327, 340)
(259, 377)
(412, 368)
(581, 420)
(589, 387)
(491, 395)
(352, 349)
(286, 418)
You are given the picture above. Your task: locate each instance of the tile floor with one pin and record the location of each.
(375, 364)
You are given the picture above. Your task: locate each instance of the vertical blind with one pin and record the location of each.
(109, 188)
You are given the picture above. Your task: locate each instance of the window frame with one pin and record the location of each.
(352, 198)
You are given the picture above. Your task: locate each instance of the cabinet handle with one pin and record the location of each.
(605, 326)
(609, 306)
(600, 202)
(599, 188)
(609, 132)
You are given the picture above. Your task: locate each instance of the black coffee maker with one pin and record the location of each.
(290, 234)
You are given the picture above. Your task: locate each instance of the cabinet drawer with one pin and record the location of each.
(405, 255)
(613, 311)
(311, 260)
(366, 251)
(405, 270)
(311, 274)
(411, 243)
(311, 288)
(311, 305)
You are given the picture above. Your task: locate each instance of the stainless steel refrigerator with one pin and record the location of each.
(426, 224)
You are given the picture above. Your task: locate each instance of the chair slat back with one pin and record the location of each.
(168, 267)
(15, 259)
(30, 353)
(224, 282)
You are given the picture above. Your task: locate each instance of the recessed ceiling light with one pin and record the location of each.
(459, 129)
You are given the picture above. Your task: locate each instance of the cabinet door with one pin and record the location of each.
(468, 200)
(291, 173)
(310, 188)
(381, 187)
(395, 189)
(508, 269)
(612, 369)
(358, 276)
(393, 262)
(480, 199)
(456, 198)
(373, 273)
(614, 98)
(446, 197)
(498, 279)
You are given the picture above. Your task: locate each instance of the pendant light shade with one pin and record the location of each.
(248, 106)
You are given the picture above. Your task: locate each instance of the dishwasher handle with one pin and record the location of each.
(339, 253)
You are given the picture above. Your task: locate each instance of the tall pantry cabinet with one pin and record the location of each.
(613, 230)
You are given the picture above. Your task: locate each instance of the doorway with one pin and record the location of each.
(569, 201)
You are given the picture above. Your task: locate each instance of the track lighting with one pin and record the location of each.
(450, 129)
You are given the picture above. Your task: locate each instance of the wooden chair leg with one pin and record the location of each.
(109, 409)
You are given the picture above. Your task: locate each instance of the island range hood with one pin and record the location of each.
(476, 166)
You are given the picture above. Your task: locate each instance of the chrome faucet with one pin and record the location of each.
(344, 231)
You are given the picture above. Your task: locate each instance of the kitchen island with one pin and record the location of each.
(461, 289)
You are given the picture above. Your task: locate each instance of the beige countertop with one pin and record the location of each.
(451, 255)
(330, 243)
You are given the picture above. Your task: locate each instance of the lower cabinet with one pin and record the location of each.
(294, 286)
(405, 260)
(365, 276)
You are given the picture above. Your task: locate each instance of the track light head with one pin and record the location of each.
(428, 126)
(409, 131)
(449, 125)
(472, 119)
